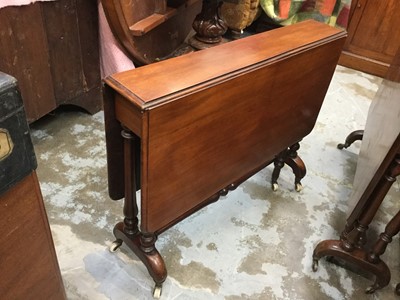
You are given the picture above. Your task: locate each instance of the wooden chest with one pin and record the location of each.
(17, 158)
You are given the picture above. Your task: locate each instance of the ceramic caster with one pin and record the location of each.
(315, 265)
(157, 291)
(371, 289)
(115, 245)
(275, 187)
(298, 187)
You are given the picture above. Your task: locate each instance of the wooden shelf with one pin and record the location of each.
(160, 15)
(145, 25)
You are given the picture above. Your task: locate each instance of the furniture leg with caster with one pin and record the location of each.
(143, 245)
(144, 248)
(289, 156)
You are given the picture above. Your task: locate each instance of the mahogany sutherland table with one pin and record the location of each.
(195, 126)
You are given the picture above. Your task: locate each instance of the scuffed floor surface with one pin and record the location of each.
(252, 244)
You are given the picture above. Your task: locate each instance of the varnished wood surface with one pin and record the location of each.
(209, 118)
(374, 35)
(28, 262)
(172, 76)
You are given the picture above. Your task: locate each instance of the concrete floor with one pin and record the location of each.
(252, 244)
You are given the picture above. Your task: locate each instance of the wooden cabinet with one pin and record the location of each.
(28, 262)
(29, 267)
(52, 50)
(374, 36)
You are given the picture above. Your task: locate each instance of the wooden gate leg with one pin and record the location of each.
(142, 244)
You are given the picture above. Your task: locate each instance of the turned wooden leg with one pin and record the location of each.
(279, 162)
(297, 165)
(142, 244)
(352, 239)
(208, 25)
(290, 157)
(391, 229)
(351, 138)
(129, 226)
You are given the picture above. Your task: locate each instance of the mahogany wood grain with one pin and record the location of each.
(28, 264)
(263, 98)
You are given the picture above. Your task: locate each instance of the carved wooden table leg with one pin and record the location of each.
(351, 245)
(142, 244)
(290, 157)
(356, 135)
(209, 26)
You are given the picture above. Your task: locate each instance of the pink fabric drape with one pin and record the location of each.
(112, 58)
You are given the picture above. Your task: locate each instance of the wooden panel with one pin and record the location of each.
(87, 19)
(72, 33)
(374, 35)
(379, 39)
(65, 55)
(52, 49)
(128, 115)
(24, 55)
(362, 63)
(28, 264)
(203, 142)
(89, 92)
